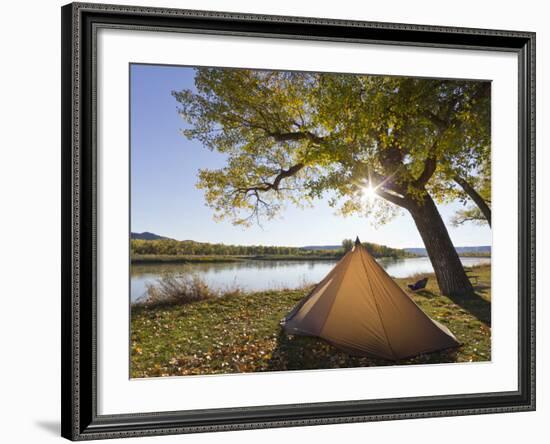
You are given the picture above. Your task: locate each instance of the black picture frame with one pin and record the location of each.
(80, 420)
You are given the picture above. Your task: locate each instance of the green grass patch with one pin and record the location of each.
(241, 333)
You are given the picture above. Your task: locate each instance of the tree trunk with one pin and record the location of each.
(449, 271)
(474, 195)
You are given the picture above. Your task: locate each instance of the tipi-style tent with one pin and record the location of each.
(359, 308)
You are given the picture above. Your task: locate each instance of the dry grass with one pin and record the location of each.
(174, 290)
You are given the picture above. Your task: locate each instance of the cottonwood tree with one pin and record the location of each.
(347, 245)
(296, 137)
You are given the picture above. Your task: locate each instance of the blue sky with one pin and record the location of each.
(164, 199)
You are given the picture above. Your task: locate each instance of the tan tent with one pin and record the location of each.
(359, 308)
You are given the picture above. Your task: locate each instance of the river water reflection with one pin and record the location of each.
(258, 275)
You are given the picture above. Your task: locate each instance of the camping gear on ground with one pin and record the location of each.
(418, 285)
(359, 308)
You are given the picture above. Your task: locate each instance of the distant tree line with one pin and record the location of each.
(174, 247)
(377, 250)
(192, 248)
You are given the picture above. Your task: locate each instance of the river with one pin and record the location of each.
(257, 275)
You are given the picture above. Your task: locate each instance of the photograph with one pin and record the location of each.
(297, 220)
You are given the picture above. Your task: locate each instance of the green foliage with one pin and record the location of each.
(174, 247)
(181, 258)
(169, 250)
(296, 137)
(377, 250)
(347, 245)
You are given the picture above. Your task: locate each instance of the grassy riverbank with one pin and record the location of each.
(241, 333)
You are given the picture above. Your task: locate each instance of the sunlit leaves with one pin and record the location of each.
(340, 129)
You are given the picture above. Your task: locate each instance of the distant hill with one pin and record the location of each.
(147, 236)
(482, 249)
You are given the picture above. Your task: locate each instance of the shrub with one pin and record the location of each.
(172, 289)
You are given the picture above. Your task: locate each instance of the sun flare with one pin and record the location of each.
(369, 192)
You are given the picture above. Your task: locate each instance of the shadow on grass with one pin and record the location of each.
(307, 353)
(482, 288)
(475, 305)
(294, 352)
(425, 293)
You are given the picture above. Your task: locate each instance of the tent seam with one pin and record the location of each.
(376, 305)
(306, 298)
(341, 279)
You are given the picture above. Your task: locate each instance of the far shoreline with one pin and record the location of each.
(188, 259)
(160, 259)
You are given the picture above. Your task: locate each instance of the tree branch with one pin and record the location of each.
(387, 182)
(475, 196)
(293, 170)
(299, 135)
(267, 186)
(393, 198)
(254, 192)
(430, 164)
